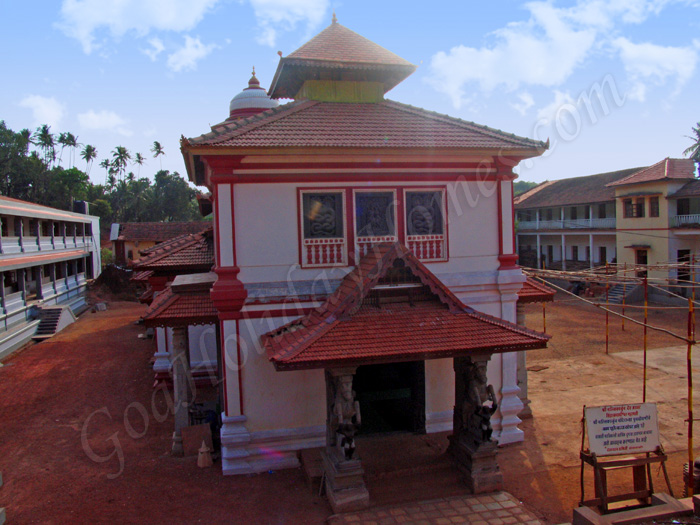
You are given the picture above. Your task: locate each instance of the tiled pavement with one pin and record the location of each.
(498, 508)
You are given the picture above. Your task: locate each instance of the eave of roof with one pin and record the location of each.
(180, 309)
(345, 331)
(667, 169)
(535, 292)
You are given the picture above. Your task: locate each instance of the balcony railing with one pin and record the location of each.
(30, 244)
(572, 224)
(680, 221)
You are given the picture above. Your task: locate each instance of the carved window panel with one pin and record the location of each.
(425, 224)
(324, 240)
(375, 219)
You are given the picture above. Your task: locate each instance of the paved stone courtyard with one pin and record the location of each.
(499, 508)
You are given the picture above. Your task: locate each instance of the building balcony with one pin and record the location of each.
(685, 221)
(571, 224)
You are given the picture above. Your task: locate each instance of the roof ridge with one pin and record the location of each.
(470, 124)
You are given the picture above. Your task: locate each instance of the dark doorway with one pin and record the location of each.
(641, 260)
(392, 397)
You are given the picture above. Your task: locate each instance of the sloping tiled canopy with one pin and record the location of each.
(391, 308)
(186, 301)
(535, 292)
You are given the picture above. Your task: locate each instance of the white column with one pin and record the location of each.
(590, 249)
(539, 262)
(563, 251)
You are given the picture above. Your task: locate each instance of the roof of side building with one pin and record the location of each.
(158, 231)
(678, 169)
(575, 190)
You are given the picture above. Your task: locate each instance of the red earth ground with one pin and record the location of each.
(87, 392)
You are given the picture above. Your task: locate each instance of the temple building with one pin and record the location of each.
(365, 275)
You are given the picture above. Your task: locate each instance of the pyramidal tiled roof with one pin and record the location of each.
(337, 43)
(668, 168)
(386, 124)
(348, 329)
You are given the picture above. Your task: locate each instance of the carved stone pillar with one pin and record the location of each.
(471, 443)
(182, 383)
(522, 369)
(343, 470)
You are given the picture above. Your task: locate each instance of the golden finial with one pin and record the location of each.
(335, 18)
(253, 70)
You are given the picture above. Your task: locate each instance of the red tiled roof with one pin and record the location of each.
(337, 48)
(349, 328)
(535, 292)
(575, 190)
(337, 43)
(180, 309)
(664, 170)
(386, 124)
(690, 189)
(141, 276)
(185, 252)
(158, 231)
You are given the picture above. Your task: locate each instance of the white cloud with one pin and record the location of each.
(45, 110)
(648, 63)
(82, 19)
(544, 50)
(187, 56)
(156, 48)
(526, 102)
(285, 15)
(549, 112)
(104, 120)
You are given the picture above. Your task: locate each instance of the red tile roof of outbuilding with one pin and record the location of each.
(535, 292)
(158, 231)
(170, 308)
(385, 124)
(668, 168)
(349, 330)
(185, 252)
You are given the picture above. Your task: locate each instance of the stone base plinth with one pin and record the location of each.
(344, 484)
(478, 465)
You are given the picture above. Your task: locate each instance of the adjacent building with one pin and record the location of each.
(639, 216)
(130, 239)
(46, 256)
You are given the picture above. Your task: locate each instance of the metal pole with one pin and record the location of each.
(692, 278)
(624, 293)
(691, 315)
(646, 304)
(544, 310)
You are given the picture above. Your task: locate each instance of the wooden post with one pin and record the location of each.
(646, 304)
(690, 396)
(624, 294)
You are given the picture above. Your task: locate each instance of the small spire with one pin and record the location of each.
(335, 18)
(253, 70)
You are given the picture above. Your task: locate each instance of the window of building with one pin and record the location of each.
(683, 207)
(628, 208)
(588, 253)
(602, 211)
(586, 212)
(425, 224)
(653, 207)
(574, 253)
(374, 214)
(324, 241)
(602, 254)
(639, 207)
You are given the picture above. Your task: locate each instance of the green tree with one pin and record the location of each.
(175, 199)
(45, 141)
(158, 150)
(120, 159)
(140, 160)
(88, 154)
(694, 150)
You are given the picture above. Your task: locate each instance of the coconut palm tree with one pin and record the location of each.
(140, 160)
(694, 151)
(158, 150)
(63, 141)
(72, 143)
(88, 154)
(45, 140)
(107, 165)
(120, 158)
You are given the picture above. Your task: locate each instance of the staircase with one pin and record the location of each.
(53, 319)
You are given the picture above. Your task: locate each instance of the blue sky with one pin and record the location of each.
(613, 84)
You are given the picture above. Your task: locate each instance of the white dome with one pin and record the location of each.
(252, 98)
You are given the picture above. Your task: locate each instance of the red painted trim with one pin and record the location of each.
(240, 368)
(349, 178)
(447, 224)
(400, 215)
(300, 226)
(512, 214)
(350, 226)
